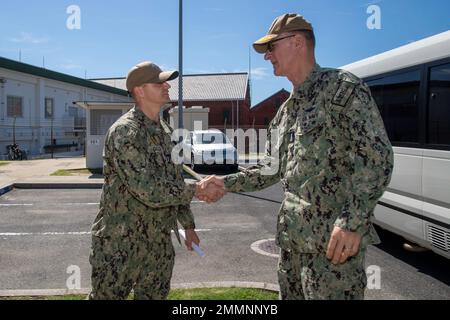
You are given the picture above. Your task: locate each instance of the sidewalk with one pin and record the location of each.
(38, 172)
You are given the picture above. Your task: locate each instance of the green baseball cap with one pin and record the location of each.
(285, 23)
(148, 72)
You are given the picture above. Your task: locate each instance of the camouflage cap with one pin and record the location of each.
(148, 72)
(284, 23)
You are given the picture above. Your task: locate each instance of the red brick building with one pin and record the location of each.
(227, 96)
(262, 113)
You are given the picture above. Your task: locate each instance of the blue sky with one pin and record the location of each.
(115, 34)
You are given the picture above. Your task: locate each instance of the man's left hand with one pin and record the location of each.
(191, 236)
(343, 245)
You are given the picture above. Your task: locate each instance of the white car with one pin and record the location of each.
(210, 147)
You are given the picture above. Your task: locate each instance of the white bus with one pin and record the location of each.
(411, 85)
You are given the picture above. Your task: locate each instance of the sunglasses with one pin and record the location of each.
(271, 47)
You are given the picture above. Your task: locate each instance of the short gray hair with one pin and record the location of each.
(309, 36)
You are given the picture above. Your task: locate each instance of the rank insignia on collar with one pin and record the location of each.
(343, 93)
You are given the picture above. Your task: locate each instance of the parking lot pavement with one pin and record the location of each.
(44, 232)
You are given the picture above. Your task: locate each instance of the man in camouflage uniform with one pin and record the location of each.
(144, 195)
(335, 161)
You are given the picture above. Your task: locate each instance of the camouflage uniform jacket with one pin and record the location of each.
(334, 159)
(141, 181)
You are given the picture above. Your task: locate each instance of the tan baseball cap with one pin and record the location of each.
(148, 72)
(286, 23)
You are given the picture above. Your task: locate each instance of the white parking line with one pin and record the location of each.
(16, 234)
(11, 234)
(66, 204)
(81, 204)
(200, 230)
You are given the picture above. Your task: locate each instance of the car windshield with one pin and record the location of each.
(211, 138)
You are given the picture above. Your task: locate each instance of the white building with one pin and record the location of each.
(37, 107)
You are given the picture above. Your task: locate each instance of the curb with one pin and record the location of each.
(43, 292)
(195, 285)
(6, 189)
(58, 185)
(50, 185)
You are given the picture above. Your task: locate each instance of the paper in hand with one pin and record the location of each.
(194, 246)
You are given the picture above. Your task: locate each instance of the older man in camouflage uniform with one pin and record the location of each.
(144, 195)
(335, 161)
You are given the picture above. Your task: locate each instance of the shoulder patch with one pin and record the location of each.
(343, 93)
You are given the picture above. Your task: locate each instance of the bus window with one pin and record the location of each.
(397, 97)
(439, 105)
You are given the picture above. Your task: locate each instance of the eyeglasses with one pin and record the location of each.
(270, 45)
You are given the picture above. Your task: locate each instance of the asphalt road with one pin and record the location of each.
(44, 232)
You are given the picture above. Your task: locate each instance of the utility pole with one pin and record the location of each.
(51, 133)
(250, 73)
(180, 67)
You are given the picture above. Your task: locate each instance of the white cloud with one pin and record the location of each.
(259, 73)
(29, 38)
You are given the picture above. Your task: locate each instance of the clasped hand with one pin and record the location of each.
(211, 189)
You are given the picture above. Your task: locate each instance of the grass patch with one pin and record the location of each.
(4, 163)
(76, 172)
(185, 294)
(222, 294)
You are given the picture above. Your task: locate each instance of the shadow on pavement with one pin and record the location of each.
(428, 262)
(215, 170)
(96, 176)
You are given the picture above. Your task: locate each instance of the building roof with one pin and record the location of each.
(200, 87)
(49, 74)
(265, 100)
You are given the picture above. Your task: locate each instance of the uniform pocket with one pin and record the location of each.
(309, 120)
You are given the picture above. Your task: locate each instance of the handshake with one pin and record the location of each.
(210, 189)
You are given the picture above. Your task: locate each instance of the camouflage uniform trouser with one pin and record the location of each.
(311, 276)
(142, 264)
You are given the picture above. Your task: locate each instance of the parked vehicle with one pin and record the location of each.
(411, 86)
(210, 147)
